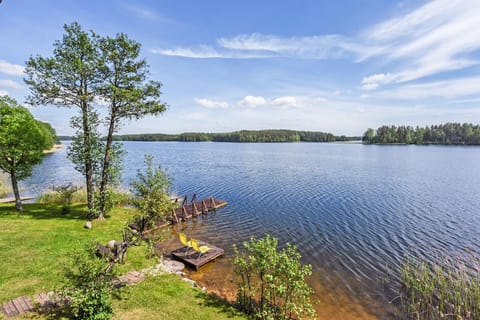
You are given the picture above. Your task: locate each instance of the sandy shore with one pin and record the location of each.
(55, 148)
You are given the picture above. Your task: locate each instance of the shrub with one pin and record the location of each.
(272, 282)
(53, 196)
(150, 195)
(65, 193)
(447, 288)
(87, 292)
(113, 198)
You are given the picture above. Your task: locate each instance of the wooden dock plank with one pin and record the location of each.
(190, 257)
(185, 212)
(9, 309)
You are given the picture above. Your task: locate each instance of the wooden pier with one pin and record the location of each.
(191, 258)
(185, 211)
(195, 208)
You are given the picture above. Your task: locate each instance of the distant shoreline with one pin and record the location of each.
(55, 148)
(270, 135)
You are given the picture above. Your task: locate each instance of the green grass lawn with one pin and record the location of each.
(35, 246)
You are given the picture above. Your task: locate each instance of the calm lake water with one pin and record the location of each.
(354, 211)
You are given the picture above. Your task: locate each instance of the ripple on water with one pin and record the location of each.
(353, 211)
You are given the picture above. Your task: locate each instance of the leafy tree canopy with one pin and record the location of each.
(22, 141)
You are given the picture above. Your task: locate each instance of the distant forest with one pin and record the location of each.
(240, 136)
(447, 134)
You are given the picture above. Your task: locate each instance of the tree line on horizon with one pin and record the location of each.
(444, 134)
(272, 135)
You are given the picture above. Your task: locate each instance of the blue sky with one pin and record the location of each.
(336, 66)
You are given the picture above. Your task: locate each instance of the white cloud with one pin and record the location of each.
(211, 104)
(284, 102)
(203, 52)
(372, 82)
(313, 47)
(448, 89)
(3, 93)
(143, 13)
(256, 45)
(252, 101)
(11, 68)
(102, 102)
(6, 83)
(208, 52)
(433, 39)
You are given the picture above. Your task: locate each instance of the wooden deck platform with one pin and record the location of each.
(191, 259)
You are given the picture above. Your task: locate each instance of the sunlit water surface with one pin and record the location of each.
(354, 211)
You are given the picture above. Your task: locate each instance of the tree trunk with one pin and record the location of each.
(88, 163)
(18, 200)
(106, 165)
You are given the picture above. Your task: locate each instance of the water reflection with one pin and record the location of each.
(354, 211)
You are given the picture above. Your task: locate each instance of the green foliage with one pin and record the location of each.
(52, 196)
(272, 282)
(129, 95)
(85, 67)
(71, 79)
(444, 289)
(449, 134)
(41, 239)
(241, 136)
(65, 193)
(22, 142)
(22, 139)
(150, 193)
(88, 290)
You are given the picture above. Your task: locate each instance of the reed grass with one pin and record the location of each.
(53, 196)
(447, 288)
(5, 188)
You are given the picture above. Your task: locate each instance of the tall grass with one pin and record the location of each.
(5, 188)
(54, 196)
(447, 288)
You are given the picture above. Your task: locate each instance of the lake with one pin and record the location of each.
(354, 211)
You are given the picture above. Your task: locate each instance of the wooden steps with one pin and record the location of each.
(18, 306)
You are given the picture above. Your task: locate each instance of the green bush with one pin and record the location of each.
(114, 198)
(54, 196)
(272, 281)
(87, 293)
(447, 288)
(150, 195)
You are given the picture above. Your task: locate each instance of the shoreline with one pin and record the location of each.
(55, 148)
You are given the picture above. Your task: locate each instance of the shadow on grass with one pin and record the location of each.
(45, 211)
(213, 300)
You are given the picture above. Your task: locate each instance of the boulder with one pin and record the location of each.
(192, 282)
(111, 244)
(173, 266)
